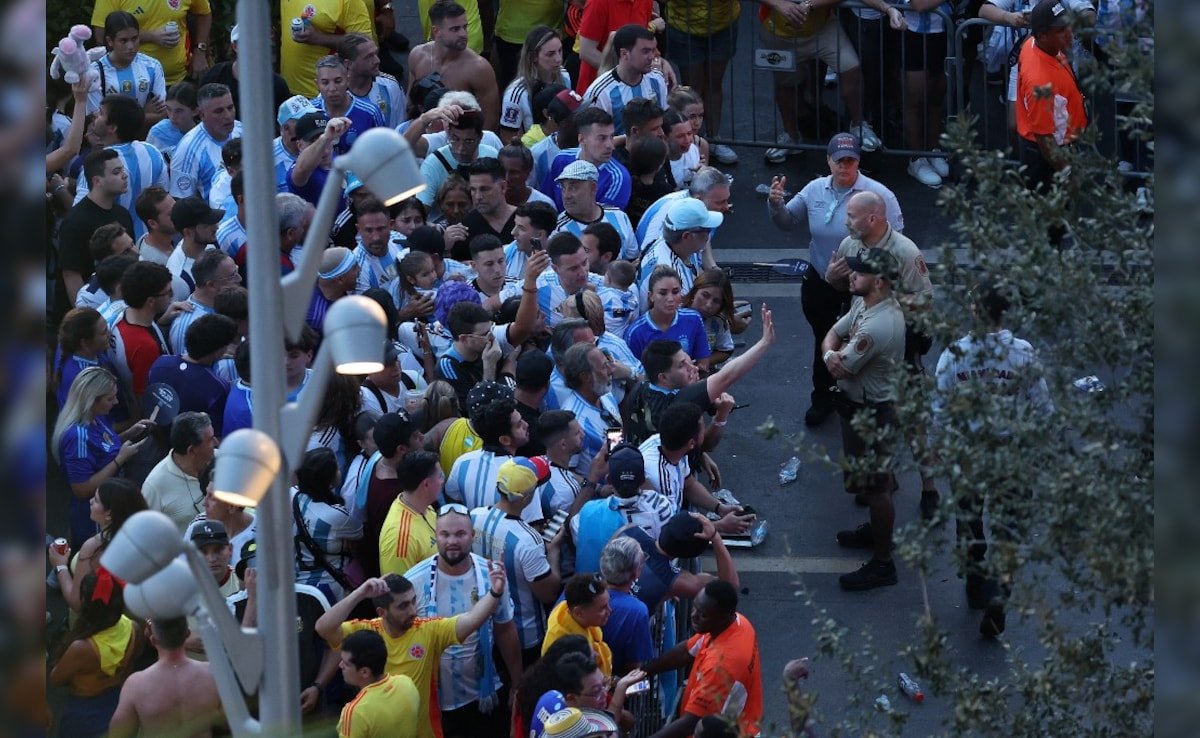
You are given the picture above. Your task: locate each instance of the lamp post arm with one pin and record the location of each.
(241, 649)
(236, 712)
(297, 286)
(296, 419)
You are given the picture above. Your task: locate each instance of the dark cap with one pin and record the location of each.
(533, 370)
(190, 212)
(678, 537)
(843, 145)
(563, 103)
(311, 125)
(391, 353)
(426, 239)
(874, 261)
(486, 391)
(392, 430)
(246, 558)
(1049, 14)
(626, 469)
(209, 531)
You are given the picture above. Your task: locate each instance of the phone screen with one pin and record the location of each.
(636, 687)
(614, 437)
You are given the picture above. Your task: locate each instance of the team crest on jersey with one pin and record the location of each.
(107, 440)
(417, 651)
(173, 4)
(126, 87)
(510, 116)
(143, 85)
(185, 182)
(309, 12)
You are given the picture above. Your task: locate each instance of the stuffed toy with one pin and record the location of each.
(71, 61)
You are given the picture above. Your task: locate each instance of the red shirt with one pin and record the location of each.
(719, 662)
(136, 347)
(602, 17)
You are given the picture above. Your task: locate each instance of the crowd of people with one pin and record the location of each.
(492, 531)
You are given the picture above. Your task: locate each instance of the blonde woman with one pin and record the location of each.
(88, 448)
(540, 65)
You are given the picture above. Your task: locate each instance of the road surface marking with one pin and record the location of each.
(788, 564)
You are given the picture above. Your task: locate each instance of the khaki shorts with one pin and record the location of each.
(830, 45)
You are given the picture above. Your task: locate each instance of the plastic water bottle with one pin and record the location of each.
(909, 686)
(765, 189)
(883, 704)
(758, 532)
(789, 470)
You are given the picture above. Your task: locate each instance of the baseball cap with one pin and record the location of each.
(190, 212)
(581, 170)
(874, 261)
(534, 369)
(209, 531)
(519, 475)
(677, 538)
(352, 183)
(548, 704)
(688, 213)
(561, 105)
(1049, 14)
(486, 391)
(574, 722)
(391, 431)
(626, 468)
(843, 145)
(311, 125)
(246, 558)
(294, 107)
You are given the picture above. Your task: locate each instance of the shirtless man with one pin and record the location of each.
(461, 68)
(176, 696)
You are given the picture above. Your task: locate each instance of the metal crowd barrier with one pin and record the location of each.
(749, 115)
(657, 706)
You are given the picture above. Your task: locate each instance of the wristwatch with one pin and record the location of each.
(201, 47)
(495, 594)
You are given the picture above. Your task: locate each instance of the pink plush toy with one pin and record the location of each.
(71, 61)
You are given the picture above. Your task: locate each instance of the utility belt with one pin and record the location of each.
(847, 407)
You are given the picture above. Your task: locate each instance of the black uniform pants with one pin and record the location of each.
(822, 306)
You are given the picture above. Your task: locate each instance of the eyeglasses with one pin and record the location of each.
(453, 507)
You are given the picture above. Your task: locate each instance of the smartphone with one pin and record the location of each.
(615, 437)
(554, 525)
(535, 244)
(636, 687)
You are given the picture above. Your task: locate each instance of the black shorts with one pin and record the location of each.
(924, 51)
(879, 478)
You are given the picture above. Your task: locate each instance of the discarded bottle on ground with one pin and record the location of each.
(789, 470)
(910, 687)
(882, 703)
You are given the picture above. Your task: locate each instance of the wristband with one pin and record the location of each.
(524, 288)
(60, 568)
(826, 355)
(495, 594)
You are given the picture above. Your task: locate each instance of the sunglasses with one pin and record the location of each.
(596, 584)
(453, 507)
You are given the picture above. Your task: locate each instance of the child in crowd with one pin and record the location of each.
(688, 103)
(712, 296)
(620, 277)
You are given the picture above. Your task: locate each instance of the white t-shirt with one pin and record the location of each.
(661, 474)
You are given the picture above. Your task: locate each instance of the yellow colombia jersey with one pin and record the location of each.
(474, 25)
(152, 15)
(702, 17)
(388, 707)
(416, 654)
(297, 61)
(406, 538)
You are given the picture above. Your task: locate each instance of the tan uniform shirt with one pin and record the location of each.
(914, 272)
(873, 346)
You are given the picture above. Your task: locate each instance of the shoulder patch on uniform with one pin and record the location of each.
(864, 343)
(510, 115)
(922, 267)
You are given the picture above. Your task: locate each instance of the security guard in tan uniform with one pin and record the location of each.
(866, 219)
(863, 351)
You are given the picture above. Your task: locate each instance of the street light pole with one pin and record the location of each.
(279, 699)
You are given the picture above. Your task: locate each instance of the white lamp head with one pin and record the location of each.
(384, 161)
(247, 462)
(355, 328)
(146, 543)
(171, 593)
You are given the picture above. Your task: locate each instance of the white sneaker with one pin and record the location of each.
(777, 155)
(940, 164)
(867, 137)
(723, 154)
(923, 172)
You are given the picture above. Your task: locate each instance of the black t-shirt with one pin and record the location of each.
(646, 402)
(462, 375)
(345, 229)
(535, 447)
(642, 196)
(476, 225)
(77, 229)
(223, 73)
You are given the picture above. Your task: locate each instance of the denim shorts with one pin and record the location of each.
(687, 50)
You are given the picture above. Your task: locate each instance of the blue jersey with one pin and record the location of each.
(311, 190)
(627, 631)
(363, 116)
(283, 163)
(621, 307)
(650, 226)
(84, 450)
(609, 93)
(543, 153)
(70, 368)
(614, 187)
(523, 551)
(199, 389)
(388, 96)
(550, 294)
(658, 252)
(197, 160)
(472, 480)
(378, 271)
(180, 325)
(514, 261)
(142, 78)
(164, 136)
(231, 235)
(239, 410)
(687, 328)
(615, 217)
(595, 422)
(146, 167)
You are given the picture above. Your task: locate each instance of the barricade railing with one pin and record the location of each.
(985, 94)
(751, 115)
(669, 624)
